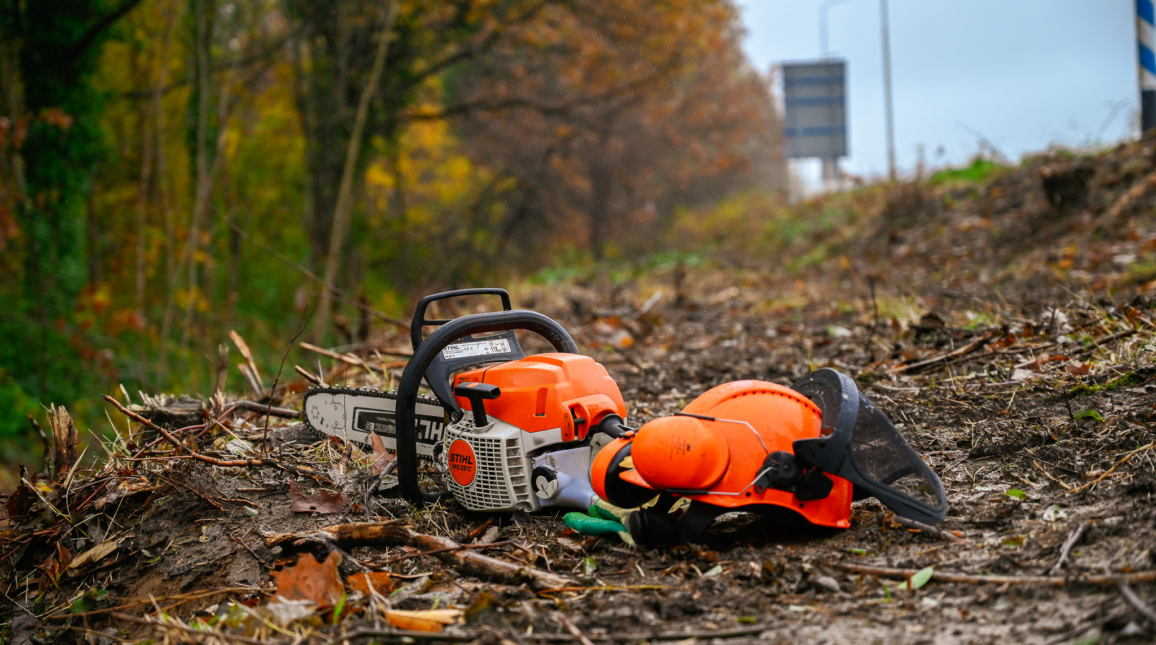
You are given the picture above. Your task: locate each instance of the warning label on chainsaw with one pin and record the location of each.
(463, 465)
(477, 348)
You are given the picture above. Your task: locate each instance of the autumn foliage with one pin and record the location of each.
(175, 171)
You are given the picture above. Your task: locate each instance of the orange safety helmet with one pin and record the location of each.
(760, 447)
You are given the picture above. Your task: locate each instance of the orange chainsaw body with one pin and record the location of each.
(548, 391)
(681, 454)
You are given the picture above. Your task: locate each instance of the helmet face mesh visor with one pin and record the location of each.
(861, 445)
(884, 458)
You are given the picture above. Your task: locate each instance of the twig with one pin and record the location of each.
(1055, 581)
(243, 347)
(545, 592)
(1067, 547)
(928, 529)
(247, 547)
(351, 360)
(573, 629)
(234, 463)
(195, 492)
(268, 410)
(254, 384)
(211, 634)
(1137, 603)
(194, 595)
(316, 380)
(966, 349)
(1113, 468)
(460, 547)
(397, 533)
(560, 638)
(891, 388)
(1073, 633)
(1104, 341)
(1049, 476)
(306, 316)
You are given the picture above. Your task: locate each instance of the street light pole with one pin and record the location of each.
(887, 89)
(823, 9)
(886, 33)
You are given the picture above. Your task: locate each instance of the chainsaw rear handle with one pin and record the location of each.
(419, 319)
(424, 354)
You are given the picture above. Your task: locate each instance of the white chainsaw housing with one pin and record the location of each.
(517, 470)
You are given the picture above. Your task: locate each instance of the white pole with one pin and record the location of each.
(887, 90)
(1146, 44)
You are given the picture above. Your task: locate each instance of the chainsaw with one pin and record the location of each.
(534, 423)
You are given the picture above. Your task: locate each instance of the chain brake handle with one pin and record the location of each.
(419, 320)
(428, 353)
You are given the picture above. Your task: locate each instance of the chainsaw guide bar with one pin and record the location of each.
(352, 413)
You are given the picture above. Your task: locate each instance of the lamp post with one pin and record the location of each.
(887, 103)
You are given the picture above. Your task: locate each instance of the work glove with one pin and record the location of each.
(601, 520)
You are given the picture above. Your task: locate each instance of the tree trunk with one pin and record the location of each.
(344, 207)
(201, 196)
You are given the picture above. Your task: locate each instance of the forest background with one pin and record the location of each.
(171, 170)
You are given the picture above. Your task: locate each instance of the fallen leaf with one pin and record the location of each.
(308, 579)
(918, 579)
(284, 612)
(1016, 493)
(1088, 414)
(429, 620)
(95, 554)
(380, 581)
(1076, 369)
(713, 571)
(381, 456)
(319, 502)
(1054, 513)
(1015, 541)
(568, 544)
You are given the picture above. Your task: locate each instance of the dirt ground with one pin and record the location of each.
(1005, 328)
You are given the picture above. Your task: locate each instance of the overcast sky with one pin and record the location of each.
(1024, 74)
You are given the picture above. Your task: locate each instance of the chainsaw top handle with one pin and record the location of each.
(419, 319)
(427, 351)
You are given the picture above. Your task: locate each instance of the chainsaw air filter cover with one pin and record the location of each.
(858, 443)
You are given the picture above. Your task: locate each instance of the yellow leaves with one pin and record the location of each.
(432, 171)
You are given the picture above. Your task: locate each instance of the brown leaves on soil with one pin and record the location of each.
(320, 502)
(308, 579)
(428, 620)
(381, 456)
(380, 581)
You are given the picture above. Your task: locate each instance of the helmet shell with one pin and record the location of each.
(778, 416)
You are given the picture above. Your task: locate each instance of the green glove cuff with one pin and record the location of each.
(595, 526)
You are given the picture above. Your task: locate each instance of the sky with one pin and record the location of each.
(1022, 74)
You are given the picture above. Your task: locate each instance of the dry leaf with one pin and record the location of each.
(319, 502)
(311, 580)
(381, 582)
(429, 620)
(381, 456)
(95, 554)
(1076, 369)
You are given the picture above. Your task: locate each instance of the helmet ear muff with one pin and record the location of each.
(607, 483)
(859, 444)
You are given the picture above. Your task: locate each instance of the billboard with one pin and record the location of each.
(815, 98)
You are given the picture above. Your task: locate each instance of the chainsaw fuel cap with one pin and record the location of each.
(858, 443)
